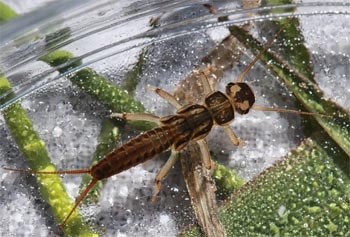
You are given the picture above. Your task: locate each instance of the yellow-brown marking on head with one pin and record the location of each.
(243, 106)
(241, 95)
(234, 89)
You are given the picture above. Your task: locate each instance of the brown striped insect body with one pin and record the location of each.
(190, 123)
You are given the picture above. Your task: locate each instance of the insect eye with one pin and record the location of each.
(242, 96)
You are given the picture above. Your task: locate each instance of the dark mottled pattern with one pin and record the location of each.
(220, 107)
(244, 95)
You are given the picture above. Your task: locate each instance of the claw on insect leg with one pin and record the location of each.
(137, 117)
(165, 95)
(233, 137)
(164, 172)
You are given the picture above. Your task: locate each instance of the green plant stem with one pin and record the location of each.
(295, 51)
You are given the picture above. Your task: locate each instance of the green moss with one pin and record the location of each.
(226, 180)
(314, 209)
(283, 201)
(298, 195)
(274, 229)
(60, 57)
(5, 85)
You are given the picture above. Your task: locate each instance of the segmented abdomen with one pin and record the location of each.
(190, 123)
(137, 150)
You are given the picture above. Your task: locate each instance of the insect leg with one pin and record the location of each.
(165, 95)
(233, 137)
(164, 172)
(203, 76)
(206, 85)
(137, 117)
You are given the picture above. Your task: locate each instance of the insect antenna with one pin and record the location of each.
(81, 171)
(77, 202)
(256, 107)
(268, 45)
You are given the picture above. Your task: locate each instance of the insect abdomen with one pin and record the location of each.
(190, 123)
(137, 150)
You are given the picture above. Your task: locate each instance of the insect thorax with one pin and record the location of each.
(220, 108)
(192, 122)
